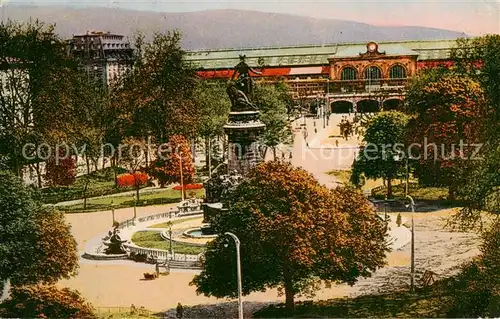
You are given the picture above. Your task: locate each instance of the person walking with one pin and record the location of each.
(179, 310)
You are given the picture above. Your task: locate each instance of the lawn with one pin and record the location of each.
(344, 176)
(416, 191)
(166, 196)
(152, 239)
(167, 224)
(101, 183)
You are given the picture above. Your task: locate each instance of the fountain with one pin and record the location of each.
(113, 242)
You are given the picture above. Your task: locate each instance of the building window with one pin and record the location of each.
(397, 72)
(348, 73)
(373, 73)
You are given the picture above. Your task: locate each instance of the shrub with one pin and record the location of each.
(46, 302)
(60, 172)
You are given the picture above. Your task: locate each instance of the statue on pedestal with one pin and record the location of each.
(244, 82)
(239, 101)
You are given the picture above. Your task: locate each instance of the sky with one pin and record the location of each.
(472, 17)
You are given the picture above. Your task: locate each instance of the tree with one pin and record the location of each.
(37, 245)
(167, 168)
(36, 96)
(272, 100)
(56, 249)
(60, 171)
(479, 59)
(135, 179)
(161, 89)
(18, 227)
(46, 302)
(294, 233)
(450, 111)
(383, 155)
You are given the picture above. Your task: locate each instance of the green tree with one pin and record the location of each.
(18, 227)
(36, 244)
(273, 102)
(384, 152)
(449, 116)
(35, 100)
(161, 90)
(214, 106)
(294, 233)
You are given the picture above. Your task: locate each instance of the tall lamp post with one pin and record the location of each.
(412, 280)
(182, 176)
(238, 269)
(170, 237)
(113, 212)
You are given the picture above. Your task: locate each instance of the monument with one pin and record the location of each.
(243, 130)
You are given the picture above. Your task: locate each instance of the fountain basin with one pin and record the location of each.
(197, 233)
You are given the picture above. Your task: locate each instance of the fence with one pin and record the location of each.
(160, 254)
(121, 312)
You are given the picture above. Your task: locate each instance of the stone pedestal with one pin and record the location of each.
(243, 130)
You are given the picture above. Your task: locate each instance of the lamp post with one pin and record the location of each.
(113, 212)
(182, 176)
(170, 236)
(135, 208)
(238, 269)
(412, 280)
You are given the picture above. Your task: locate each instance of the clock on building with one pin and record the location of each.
(372, 47)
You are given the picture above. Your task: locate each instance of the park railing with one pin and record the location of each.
(161, 254)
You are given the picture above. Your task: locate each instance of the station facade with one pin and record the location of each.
(347, 77)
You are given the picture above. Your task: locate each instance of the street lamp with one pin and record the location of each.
(170, 236)
(135, 207)
(238, 269)
(113, 212)
(412, 282)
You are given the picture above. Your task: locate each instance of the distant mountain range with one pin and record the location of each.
(221, 28)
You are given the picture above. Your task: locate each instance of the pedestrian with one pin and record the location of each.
(337, 143)
(179, 310)
(315, 130)
(307, 144)
(290, 156)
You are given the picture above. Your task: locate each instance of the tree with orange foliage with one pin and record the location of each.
(450, 110)
(135, 179)
(41, 301)
(167, 168)
(295, 234)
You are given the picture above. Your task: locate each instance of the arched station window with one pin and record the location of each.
(348, 73)
(373, 73)
(397, 72)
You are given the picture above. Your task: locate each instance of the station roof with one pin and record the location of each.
(315, 54)
(389, 49)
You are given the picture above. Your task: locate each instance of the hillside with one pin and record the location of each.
(221, 28)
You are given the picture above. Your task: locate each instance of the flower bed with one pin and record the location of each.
(189, 186)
